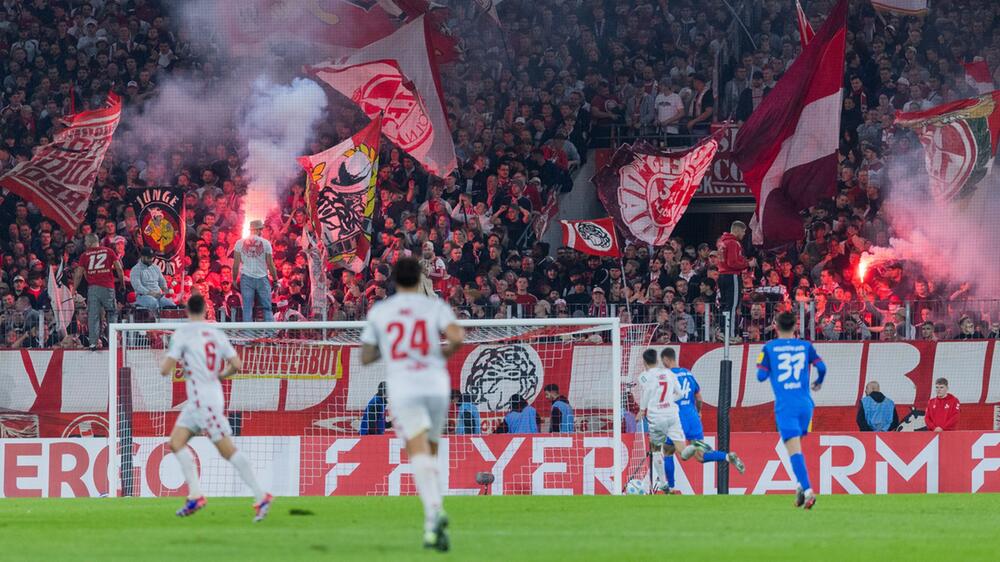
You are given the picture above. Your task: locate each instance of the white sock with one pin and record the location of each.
(242, 464)
(425, 474)
(658, 469)
(186, 460)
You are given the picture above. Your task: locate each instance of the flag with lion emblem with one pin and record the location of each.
(160, 214)
(340, 195)
(593, 237)
(960, 143)
(646, 189)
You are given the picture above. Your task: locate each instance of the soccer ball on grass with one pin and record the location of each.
(636, 487)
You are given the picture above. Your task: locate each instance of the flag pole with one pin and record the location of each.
(503, 35)
(742, 25)
(628, 307)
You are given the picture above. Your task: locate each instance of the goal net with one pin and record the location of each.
(313, 422)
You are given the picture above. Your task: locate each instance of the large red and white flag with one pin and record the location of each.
(960, 142)
(398, 76)
(593, 237)
(907, 7)
(326, 27)
(647, 189)
(341, 196)
(787, 150)
(977, 75)
(806, 32)
(60, 175)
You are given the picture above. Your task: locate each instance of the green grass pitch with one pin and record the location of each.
(924, 527)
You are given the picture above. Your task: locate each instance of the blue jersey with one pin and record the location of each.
(786, 363)
(690, 418)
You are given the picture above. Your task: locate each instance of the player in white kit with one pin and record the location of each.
(659, 391)
(405, 331)
(206, 357)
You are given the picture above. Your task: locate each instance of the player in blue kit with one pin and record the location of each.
(787, 362)
(690, 413)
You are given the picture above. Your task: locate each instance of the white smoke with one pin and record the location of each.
(948, 243)
(277, 127)
(262, 108)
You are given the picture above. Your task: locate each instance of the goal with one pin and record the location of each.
(311, 419)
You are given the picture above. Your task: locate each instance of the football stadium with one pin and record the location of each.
(499, 279)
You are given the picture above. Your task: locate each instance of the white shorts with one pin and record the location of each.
(663, 426)
(413, 414)
(210, 419)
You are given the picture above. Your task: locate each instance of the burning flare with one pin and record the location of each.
(863, 264)
(246, 227)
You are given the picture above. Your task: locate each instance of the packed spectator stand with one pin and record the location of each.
(526, 105)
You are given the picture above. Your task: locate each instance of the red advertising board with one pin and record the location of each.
(61, 393)
(538, 464)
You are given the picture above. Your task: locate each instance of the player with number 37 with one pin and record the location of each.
(786, 362)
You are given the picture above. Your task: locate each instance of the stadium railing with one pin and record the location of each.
(40, 329)
(615, 135)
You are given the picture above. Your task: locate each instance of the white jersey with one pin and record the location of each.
(659, 390)
(407, 328)
(202, 351)
(253, 252)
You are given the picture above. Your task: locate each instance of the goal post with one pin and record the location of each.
(309, 417)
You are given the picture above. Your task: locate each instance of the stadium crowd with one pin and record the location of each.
(525, 109)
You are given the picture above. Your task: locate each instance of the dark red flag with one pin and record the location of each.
(788, 148)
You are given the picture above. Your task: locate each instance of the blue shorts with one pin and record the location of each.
(793, 421)
(692, 428)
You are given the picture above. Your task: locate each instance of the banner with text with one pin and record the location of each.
(304, 389)
(851, 463)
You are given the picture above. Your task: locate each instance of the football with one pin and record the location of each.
(636, 487)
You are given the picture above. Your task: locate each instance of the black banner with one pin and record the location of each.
(160, 211)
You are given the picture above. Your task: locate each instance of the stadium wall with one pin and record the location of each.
(63, 393)
(852, 463)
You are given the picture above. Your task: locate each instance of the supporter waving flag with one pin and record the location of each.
(397, 76)
(60, 175)
(341, 196)
(788, 148)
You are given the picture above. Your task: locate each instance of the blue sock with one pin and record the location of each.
(668, 466)
(714, 456)
(799, 468)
